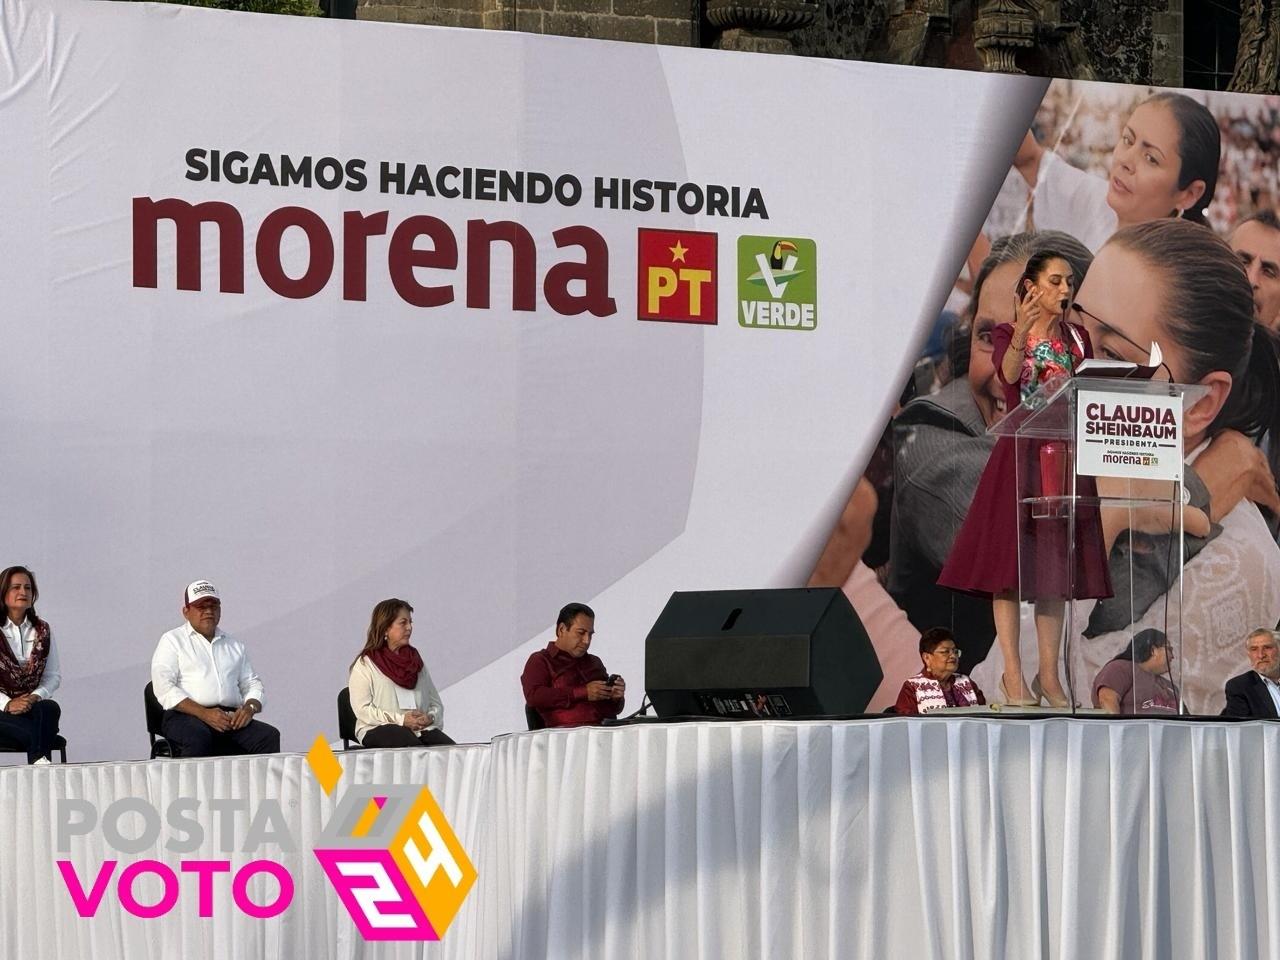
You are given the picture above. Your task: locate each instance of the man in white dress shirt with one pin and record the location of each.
(207, 686)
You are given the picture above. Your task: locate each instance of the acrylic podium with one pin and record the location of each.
(1100, 483)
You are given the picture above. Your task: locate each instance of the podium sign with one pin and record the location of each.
(1128, 435)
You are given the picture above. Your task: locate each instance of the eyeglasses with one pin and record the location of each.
(948, 653)
(1108, 328)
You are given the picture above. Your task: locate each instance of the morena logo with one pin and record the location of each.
(422, 276)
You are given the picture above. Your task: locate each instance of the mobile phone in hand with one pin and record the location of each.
(613, 678)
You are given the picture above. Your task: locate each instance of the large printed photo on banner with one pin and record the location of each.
(546, 329)
(1163, 203)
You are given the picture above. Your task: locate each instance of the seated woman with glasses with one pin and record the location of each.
(1137, 678)
(938, 686)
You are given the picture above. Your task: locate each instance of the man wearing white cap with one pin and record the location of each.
(207, 686)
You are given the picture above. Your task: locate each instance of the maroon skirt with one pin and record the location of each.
(985, 559)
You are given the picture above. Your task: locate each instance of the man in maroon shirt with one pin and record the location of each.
(565, 684)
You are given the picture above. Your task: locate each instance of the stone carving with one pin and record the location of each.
(914, 32)
(759, 25)
(1006, 36)
(1001, 29)
(1258, 55)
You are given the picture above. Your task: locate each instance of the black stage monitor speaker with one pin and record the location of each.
(760, 653)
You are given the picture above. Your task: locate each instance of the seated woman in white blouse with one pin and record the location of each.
(394, 700)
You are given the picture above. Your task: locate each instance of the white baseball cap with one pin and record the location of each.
(200, 590)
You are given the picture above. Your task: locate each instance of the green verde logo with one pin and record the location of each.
(777, 283)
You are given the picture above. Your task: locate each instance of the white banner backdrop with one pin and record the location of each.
(312, 452)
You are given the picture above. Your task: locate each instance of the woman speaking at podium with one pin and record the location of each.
(1040, 346)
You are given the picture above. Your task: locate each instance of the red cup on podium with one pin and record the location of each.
(1053, 469)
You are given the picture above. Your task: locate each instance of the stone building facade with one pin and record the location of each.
(1042, 37)
(1131, 41)
(674, 22)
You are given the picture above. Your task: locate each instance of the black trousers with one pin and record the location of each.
(396, 735)
(32, 731)
(192, 737)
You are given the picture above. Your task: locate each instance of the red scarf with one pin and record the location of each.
(401, 666)
(18, 679)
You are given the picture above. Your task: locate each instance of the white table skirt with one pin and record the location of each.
(889, 838)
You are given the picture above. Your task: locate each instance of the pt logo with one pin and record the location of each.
(777, 283)
(391, 856)
(677, 276)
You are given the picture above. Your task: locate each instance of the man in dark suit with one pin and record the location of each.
(1257, 693)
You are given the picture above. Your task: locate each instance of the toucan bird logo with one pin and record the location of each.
(779, 251)
(777, 283)
(777, 269)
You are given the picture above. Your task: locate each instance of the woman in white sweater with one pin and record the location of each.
(1165, 164)
(395, 702)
